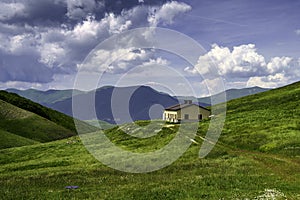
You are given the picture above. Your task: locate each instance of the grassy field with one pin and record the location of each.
(256, 157)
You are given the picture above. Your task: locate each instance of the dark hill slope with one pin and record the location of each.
(28, 125)
(52, 115)
(9, 140)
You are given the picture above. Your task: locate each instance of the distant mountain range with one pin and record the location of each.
(230, 94)
(140, 102)
(141, 105)
(45, 98)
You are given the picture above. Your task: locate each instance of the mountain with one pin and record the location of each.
(25, 122)
(230, 94)
(141, 100)
(45, 97)
(234, 94)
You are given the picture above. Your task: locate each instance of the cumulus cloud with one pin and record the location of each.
(56, 35)
(245, 63)
(54, 12)
(270, 81)
(112, 61)
(52, 54)
(166, 13)
(80, 9)
(242, 61)
(279, 64)
(10, 10)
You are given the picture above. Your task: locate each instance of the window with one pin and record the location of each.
(186, 116)
(200, 116)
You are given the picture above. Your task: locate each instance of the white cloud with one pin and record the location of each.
(62, 48)
(111, 61)
(52, 53)
(270, 81)
(157, 61)
(9, 10)
(79, 9)
(242, 61)
(297, 31)
(278, 64)
(20, 85)
(23, 44)
(167, 12)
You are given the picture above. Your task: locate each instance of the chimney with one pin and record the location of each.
(188, 101)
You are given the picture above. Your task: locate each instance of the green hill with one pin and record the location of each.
(268, 121)
(29, 125)
(99, 123)
(42, 111)
(9, 140)
(27, 122)
(257, 157)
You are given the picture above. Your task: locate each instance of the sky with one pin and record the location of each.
(44, 43)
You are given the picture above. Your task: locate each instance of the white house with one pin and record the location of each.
(187, 111)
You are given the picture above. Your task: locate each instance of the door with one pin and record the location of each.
(200, 117)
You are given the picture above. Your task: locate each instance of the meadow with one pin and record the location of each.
(256, 157)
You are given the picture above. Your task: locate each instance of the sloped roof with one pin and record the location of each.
(180, 106)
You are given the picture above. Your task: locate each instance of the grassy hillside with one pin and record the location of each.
(99, 123)
(28, 125)
(257, 157)
(266, 122)
(54, 116)
(9, 140)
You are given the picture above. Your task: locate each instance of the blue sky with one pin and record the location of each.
(251, 43)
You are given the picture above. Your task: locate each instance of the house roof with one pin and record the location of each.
(180, 106)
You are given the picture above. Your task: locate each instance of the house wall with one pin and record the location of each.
(193, 111)
(171, 116)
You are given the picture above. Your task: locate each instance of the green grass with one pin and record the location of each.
(101, 124)
(267, 122)
(9, 140)
(257, 153)
(28, 125)
(47, 113)
(43, 171)
(24, 118)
